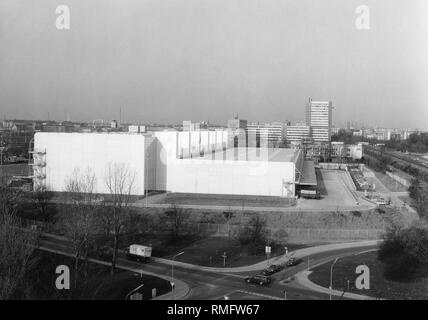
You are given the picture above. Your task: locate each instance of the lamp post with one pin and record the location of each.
(172, 272)
(331, 276)
(146, 177)
(1, 162)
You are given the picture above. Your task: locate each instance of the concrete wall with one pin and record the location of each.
(66, 152)
(230, 177)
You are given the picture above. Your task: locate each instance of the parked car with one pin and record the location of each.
(258, 279)
(271, 270)
(292, 262)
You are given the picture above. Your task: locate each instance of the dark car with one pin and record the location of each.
(271, 270)
(258, 279)
(292, 262)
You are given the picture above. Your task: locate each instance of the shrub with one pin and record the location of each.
(404, 251)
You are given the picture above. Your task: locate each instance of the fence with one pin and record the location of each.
(293, 234)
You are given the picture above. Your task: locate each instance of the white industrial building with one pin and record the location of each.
(191, 162)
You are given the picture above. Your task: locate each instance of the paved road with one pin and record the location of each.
(207, 285)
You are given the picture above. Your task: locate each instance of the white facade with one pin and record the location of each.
(265, 134)
(319, 118)
(297, 133)
(65, 153)
(191, 162)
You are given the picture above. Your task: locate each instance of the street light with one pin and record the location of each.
(146, 183)
(331, 276)
(1, 161)
(172, 272)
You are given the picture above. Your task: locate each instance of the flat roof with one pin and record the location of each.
(254, 154)
(308, 176)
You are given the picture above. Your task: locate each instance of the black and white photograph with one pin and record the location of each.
(240, 152)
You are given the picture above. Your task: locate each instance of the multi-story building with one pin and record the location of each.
(297, 133)
(266, 134)
(319, 118)
(237, 132)
(194, 126)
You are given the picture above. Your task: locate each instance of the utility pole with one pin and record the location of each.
(331, 278)
(172, 272)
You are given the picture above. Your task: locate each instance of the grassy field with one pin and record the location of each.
(101, 285)
(15, 169)
(389, 183)
(380, 287)
(225, 200)
(207, 251)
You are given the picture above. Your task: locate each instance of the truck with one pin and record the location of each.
(139, 253)
(309, 194)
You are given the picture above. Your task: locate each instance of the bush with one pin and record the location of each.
(254, 235)
(404, 251)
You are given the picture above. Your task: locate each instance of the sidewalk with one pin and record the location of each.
(302, 279)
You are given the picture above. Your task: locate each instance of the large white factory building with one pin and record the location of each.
(190, 162)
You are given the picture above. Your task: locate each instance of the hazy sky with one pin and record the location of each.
(172, 60)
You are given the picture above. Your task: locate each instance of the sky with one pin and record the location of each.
(164, 61)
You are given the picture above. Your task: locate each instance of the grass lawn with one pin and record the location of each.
(16, 169)
(101, 285)
(226, 200)
(389, 183)
(208, 252)
(344, 270)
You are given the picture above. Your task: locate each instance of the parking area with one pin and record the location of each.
(335, 191)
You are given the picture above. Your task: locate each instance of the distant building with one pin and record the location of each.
(237, 132)
(194, 126)
(114, 124)
(297, 133)
(136, 129)
(266, 134)
(341, 151)
(335, 130)
(319, 118)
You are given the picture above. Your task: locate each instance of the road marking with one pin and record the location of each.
(249, 293)
(259, 294)
(367, 251)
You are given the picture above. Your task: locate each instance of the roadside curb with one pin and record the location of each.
(302, 278)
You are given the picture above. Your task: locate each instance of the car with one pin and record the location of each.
(292, 262)
(271, 270)
(258, 279)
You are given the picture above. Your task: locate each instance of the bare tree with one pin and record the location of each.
(41, 198)
(78, 217)
(254, 234)
(120, 183)
(228, 215)
(175, 219)
(16, 244)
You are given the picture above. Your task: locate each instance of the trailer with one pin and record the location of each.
(309, 194)
(139, 252)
